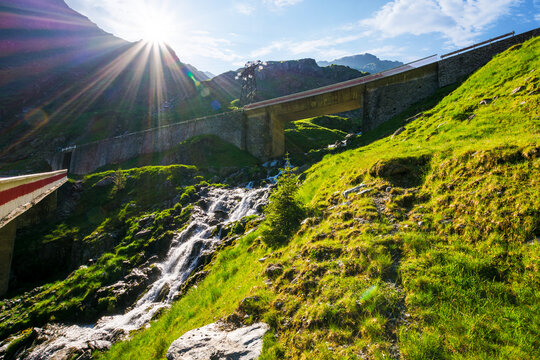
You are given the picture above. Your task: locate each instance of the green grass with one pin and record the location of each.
(309, 134)
(434, 261)
(234, 275)
(438, 258)
(440, 266)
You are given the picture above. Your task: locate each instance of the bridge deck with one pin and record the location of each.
(18, 194)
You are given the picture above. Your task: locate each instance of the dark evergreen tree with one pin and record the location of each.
(284, 211)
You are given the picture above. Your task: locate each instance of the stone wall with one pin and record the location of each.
(388, 97)
(458, 67)
(258, 134)
(89, 157)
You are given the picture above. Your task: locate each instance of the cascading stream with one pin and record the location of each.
(222, 206)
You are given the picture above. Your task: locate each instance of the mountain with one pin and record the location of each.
(279, 78)
(64, 76)
(366, 62)
(208, 74)
(64, 82)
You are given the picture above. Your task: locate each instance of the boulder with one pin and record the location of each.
(214, 341)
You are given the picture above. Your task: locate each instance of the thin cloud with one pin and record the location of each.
(244, 8)
(282, 3)
(458, 20)
(318, 47)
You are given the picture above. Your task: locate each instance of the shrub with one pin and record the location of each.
(284, 211)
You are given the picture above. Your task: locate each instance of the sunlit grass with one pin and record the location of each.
(432, 262)
(234, 275)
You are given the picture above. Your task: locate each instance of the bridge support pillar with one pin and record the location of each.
(7, 240)
(265, 137)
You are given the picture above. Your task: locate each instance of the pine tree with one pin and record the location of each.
(284, 211)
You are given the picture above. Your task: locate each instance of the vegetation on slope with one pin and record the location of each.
(424, 244)
(304, 135)
(122, 219)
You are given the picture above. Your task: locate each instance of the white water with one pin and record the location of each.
(223, 206)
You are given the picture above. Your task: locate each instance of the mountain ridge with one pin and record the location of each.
(363, 62)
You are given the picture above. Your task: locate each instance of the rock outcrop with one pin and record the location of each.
(214, 341)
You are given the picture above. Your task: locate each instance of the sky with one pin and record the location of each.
(222, 35)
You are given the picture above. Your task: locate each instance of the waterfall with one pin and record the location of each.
(220, 206)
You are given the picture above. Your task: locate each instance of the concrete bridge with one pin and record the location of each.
(17, 196)
(259, 128)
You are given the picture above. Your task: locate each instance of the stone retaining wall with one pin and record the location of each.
(89, 157)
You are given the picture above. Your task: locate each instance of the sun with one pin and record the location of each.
(154, 30)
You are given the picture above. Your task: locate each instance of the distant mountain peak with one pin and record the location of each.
(363, 62)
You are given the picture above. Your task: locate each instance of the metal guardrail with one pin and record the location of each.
(478, 44)
(18, 193)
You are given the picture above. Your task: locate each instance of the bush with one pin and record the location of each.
(284, 211)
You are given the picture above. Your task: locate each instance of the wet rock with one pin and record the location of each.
(214, 342)
(137, 292)
(159, 246)
(143, 234)
(17, 345)
(126, 291)
(92, 248)
(163, 292)
(147, 221)
(193, 280)
(352, 190)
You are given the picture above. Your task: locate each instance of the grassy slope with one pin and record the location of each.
(235, 275)
(436, 261)
(305, 135)
(103, 224)
(440, 266)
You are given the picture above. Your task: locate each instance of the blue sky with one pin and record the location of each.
(221, 35)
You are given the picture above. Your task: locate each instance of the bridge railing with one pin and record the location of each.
(480, 44)
(18, 193)
(345, 84)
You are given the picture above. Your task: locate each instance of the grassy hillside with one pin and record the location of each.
(96, 244)
(433, 256)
